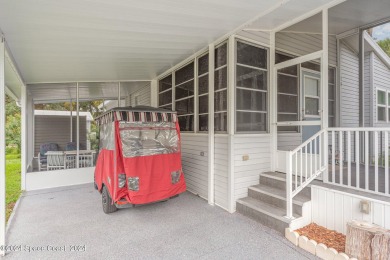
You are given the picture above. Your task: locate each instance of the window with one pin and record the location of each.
(288, 94)
(382, 105)
(332, 97)
(165, 92)
(220, 89)
(203, 93)
(251, 88)
(184, 97)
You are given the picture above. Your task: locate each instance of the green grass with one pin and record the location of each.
(12, 169)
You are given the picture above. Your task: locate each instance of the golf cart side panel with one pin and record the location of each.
(104, 171)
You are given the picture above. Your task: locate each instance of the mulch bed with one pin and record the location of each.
(330, 238)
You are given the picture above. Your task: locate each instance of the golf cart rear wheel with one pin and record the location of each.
(108, 206)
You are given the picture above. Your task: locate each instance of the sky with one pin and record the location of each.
(382, 32)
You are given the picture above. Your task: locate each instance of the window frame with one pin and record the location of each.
(174, 86)
(198, 76)
(220, 90)
(266, 90)
(386, 106)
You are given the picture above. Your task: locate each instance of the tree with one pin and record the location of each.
(12, 123)
(385, 45)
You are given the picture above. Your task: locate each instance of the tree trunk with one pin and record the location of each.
(381, 246)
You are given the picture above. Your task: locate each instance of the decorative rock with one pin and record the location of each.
(308, 245)
(341, 256)
(292, 236)
(321, 251)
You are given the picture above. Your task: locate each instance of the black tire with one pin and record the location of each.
(95, 186)
(108, 206)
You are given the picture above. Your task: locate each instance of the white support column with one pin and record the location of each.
(196, 98)
(231, 123)
(77, 126)
(24, 138)
(2, 145)
(71, 120)
(324, 88)
(361, 78)
(153, 93)
(119, 94)
(211, 148)
(273, 103)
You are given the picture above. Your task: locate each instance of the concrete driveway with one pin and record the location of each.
(68, 222)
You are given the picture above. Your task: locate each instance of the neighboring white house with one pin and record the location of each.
(272, 112)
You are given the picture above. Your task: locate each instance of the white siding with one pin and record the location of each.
(143, 94)
(289, 141)
(381, 80)
(302, 44)
(333, 209)
(221, 162)
(246, 173)
(261, 37)
(195, 163)
(56, 129)
(349, 89)
(367, 91)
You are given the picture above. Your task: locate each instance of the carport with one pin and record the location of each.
(86, 50)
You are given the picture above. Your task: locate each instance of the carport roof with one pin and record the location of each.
(81, 40)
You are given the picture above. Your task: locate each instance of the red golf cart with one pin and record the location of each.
(139, 158)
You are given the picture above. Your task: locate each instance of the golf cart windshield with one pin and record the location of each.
(148, 138)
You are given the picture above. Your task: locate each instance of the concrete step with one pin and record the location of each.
(265, 213)
(278, 180)
(277, 197)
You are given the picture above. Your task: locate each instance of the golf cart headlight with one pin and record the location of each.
(133, 183)
(175, 176)
(121, 180)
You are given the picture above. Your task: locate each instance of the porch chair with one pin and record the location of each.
(56, 160)
(42, 158)
(72, 146)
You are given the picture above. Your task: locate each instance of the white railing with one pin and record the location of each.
(359, 159)
(303, 165)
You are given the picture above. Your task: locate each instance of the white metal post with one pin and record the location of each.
(231, 122)
(324, 88)
(71, 120)
(273, 103)
(119, 94)
(211, 126)
(289, 185)
(153, 93)
(24, 139)
(2, 145)
(77, 126)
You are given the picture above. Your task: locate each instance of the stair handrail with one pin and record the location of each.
(290, 193)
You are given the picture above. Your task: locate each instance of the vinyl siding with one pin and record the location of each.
(221, 190)
(289, 141)
(349, 87)
(302, 44)
(55, 129)
(368, 102)
(195, 165)
(261, 37)
(381, 77)
(246, 173)
(143, 94)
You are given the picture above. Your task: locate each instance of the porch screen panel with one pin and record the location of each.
(332, 97)
(184, 96)
(165, 92)
(203, 93)
(220, 89)
(288, 94)
(251, 88)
